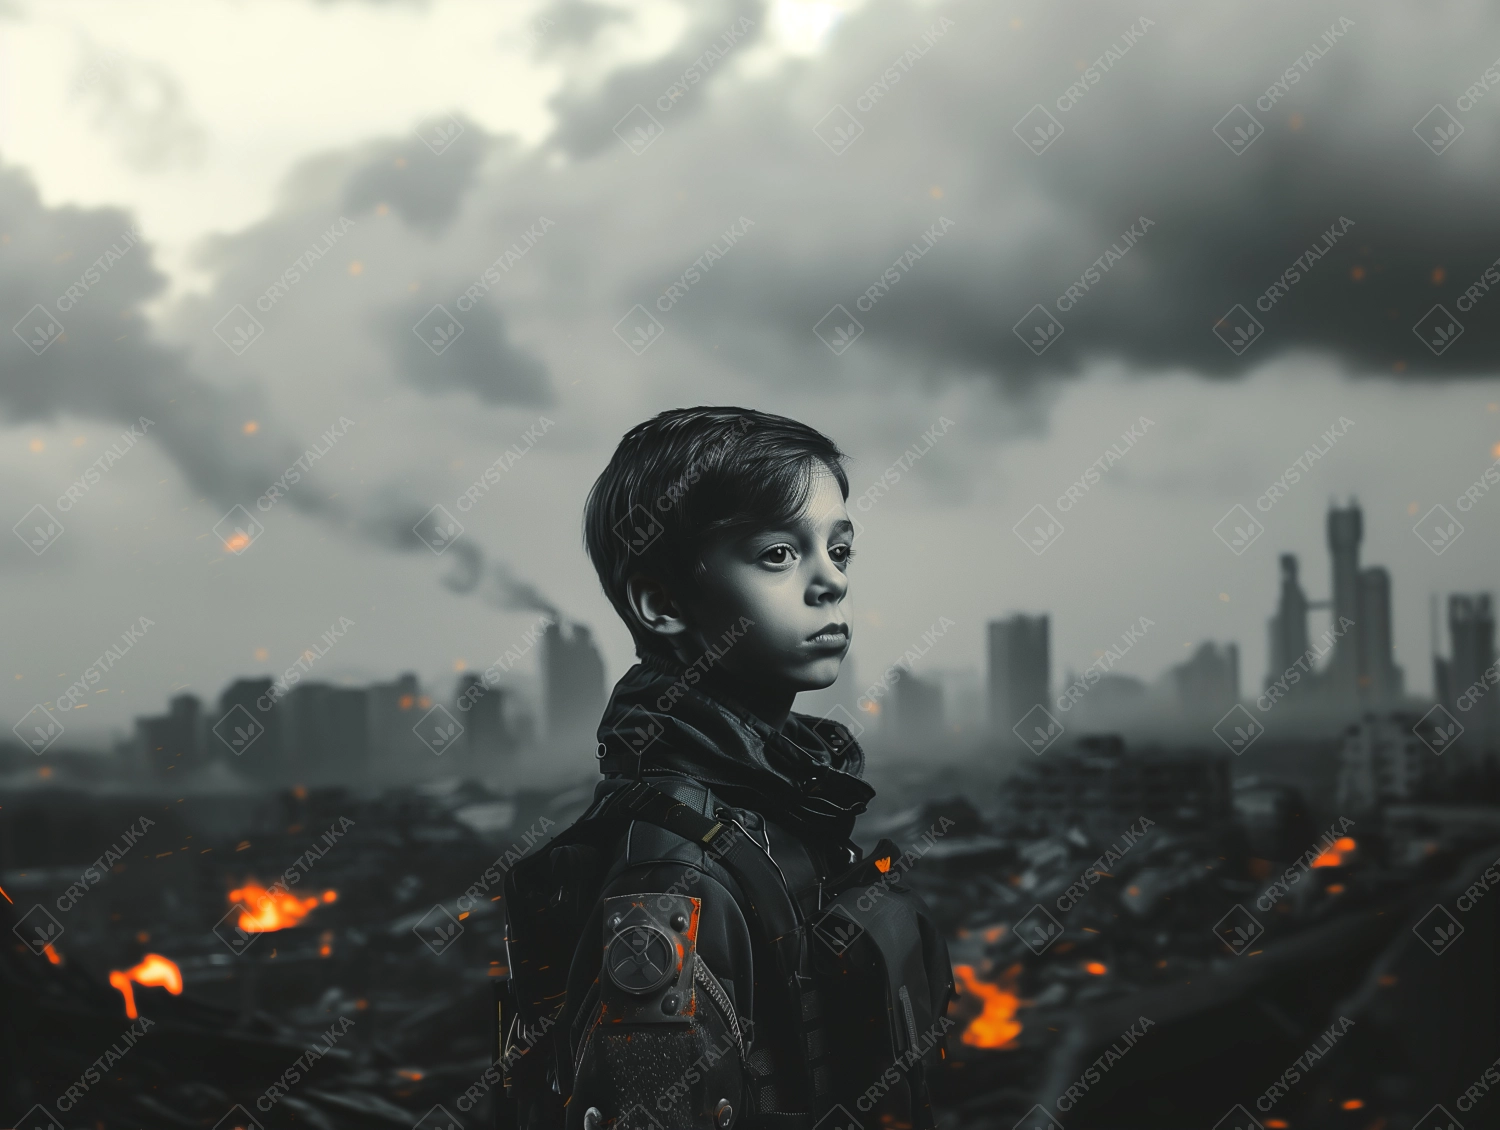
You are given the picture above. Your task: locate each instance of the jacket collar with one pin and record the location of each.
(664, 717)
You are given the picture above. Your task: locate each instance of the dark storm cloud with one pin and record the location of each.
(479, 359)
(573, 23)
(663, 92)
(1337, 227)
(422, 177)
(91, 273)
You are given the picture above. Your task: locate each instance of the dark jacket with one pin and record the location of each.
(797, 792)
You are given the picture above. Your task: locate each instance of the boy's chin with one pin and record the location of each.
(819, 673)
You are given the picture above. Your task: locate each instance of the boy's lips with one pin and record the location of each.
(830, 635)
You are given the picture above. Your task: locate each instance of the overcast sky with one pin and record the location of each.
(339, 171)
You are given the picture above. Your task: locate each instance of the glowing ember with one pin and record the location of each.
(1353, 1104)
(153, 970)
(52, 955)
(996, 1026)
(1097, 968)
(1334, 856)
(266, 910)
(238, 542)
(883, 864)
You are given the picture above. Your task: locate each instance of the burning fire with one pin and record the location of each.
(996, 1026)
(153, 970)
(266, 910)
(1334, 856)
(237, 542)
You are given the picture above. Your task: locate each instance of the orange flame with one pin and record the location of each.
(52, 955)
(236, 543)
(153, 970)
(1334, 856)
(996, 1026)
(266, 910)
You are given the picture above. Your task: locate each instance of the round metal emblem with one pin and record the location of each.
(640, 959)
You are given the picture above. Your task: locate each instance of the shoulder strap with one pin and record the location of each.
(772, 909)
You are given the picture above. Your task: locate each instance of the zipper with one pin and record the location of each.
(704, 976)
(583, 1044)
(911, 1022)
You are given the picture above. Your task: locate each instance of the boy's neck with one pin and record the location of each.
(771, 706)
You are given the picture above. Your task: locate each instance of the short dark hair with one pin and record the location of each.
(685, 476)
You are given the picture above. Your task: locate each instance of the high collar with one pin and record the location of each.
(664, 717)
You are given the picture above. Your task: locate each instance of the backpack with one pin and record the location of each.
(872, 957)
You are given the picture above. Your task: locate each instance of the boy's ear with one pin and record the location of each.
(654, 607)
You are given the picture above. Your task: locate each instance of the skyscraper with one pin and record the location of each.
(1288, 628)
(173, 741)
(247, 738)
(1475, 703)
(1019, 669)
(1208, 684)
(916, 708)
(574, 674)
(327, 734)
(1380, 679)
(1345, 529)
(481, 709)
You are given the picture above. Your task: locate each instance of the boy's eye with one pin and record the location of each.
(841, 552)
(778, 554)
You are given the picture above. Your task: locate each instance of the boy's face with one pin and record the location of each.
(790, 582)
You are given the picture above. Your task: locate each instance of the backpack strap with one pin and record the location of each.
(770, 906)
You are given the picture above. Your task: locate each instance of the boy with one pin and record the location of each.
(699, 993)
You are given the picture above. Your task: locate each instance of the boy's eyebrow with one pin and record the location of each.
(842, 526)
